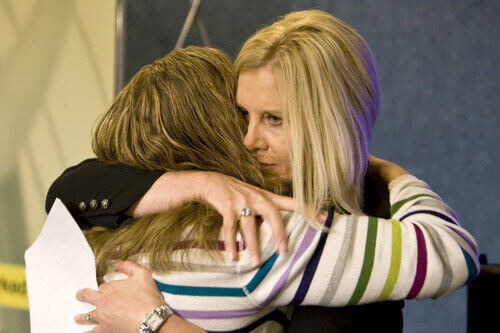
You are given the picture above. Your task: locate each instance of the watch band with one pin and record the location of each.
(155, 319)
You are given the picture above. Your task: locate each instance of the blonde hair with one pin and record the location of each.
(178, 113)
(329, 95)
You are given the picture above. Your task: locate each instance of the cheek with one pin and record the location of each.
(284, 158)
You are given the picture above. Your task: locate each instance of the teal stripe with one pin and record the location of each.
(217, 291)
(366, 270)
(261, 274)
(397, 205)
(471, 265)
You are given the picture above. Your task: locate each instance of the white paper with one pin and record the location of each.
(58, 264)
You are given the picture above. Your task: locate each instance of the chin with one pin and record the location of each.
(285, 185)
(288, 188)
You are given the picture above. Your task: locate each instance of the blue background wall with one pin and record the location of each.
(438, 65)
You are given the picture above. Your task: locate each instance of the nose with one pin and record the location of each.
(254, 140)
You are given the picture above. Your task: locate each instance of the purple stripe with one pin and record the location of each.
(421, 265)
(431, 212)
(221, 314)
(466, 239)
(239, 247)
(306, 242)
(448, 219)
(226, 314)
(310, 270)
(220, 244)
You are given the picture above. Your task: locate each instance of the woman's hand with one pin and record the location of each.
(229, 196)
(122, 305)
(386, 170)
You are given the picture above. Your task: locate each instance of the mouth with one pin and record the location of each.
(267, 165)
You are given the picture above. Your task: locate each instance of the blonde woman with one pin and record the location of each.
(295, 116)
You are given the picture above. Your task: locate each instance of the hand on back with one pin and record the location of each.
(386, 170)
(229, 196)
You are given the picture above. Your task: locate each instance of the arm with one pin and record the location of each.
(134, 192)
(92, 180)
(421, 252)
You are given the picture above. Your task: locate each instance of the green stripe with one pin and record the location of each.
(397, 205)
(366, 270)
(395, 262)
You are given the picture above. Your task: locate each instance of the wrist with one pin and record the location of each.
(176, 324)
(189, 185)
(155, 319)
(200, 184)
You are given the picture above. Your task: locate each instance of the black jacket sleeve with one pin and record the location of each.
(376, 197)
(98, 193)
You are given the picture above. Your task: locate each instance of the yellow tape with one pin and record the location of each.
(13, 292)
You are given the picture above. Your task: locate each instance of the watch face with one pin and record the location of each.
(156, 318)
(154, 321)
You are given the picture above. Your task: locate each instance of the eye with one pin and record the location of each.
(274, 120)
(244, 114)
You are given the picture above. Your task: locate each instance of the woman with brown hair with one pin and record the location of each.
(175, 114)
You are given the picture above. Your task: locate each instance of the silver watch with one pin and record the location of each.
(155, 319)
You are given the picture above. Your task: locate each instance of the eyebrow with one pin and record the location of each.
(274, 112)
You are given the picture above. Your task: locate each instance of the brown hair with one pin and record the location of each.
(176, 114)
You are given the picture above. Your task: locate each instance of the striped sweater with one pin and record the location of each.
(421, 252)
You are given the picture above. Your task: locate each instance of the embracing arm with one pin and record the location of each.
(133, 192)
(128, 191)
(421, 252)
(98, 193)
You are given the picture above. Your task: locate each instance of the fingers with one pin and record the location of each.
(270, 211)
(269, 206)
(80, 319)
(88, 319)
(128, 267)
(249, 230)
(88, 295)
(275, 220)
(281, 202)
(229, 196)
(229, 229)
